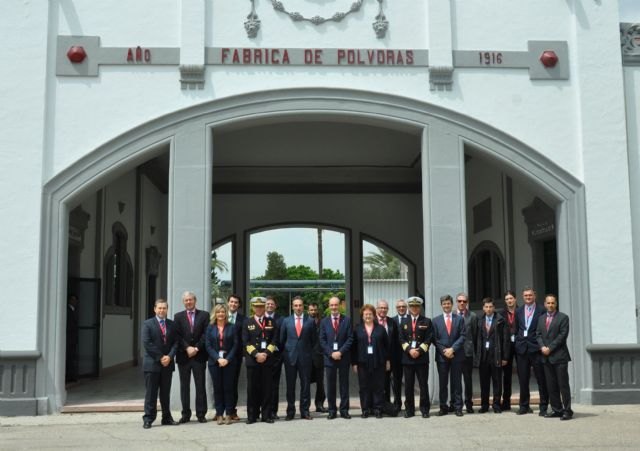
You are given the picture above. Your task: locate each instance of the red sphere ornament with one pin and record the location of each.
(76, 54)
(549, 58)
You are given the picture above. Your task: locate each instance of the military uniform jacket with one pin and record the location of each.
(253, 336)
(422, 335)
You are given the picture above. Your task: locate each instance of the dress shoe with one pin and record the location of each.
(202, 420)
(235, 417)
(425, 415)
(566, 416)
(378, 414)
(497, 410)
(227, 420)
(184, 420)
(451, 408)
(408, 414)
(483, 410)
(274, 417)
(289, 417)
(524, 411)
(470, 410)
(146, 425)
(505, 407)
(321, 409)
(553, 414)
(169, 422)
(251, 420)
(459, 413)
(345, 415)
(365, 414)
(267, 420)
(331, 416)
(306, 416)
(220, 420)
(542, 413)
(443, 412)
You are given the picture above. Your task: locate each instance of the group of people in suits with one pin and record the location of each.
(381, 350)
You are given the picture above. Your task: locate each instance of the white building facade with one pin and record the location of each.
(489, 144)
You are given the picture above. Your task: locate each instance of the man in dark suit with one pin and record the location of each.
(528, 352)
(395, 356)
(470, 356)
(160, 342)
(416, 335)
(71, 374)
(509, 315)
(449, 336)
(397, 369)
(317, 370)
(336, 338)
(552, 333)
(191, 358)
(298, 338)
(236, 317)
(271, 307)
(259, 340)
(493, 349)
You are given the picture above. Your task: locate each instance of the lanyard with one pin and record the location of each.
(528, 316)
(261, 325)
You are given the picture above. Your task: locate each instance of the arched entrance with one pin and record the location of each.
(190, 135)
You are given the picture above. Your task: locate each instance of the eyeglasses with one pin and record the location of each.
(462, 301)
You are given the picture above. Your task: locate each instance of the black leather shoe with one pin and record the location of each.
(451, 408)
(289, 417)
(566, 416)
(524, 411)
(251, 420)
(408, 414)
(497, 410)
(365, 414)
(146, 425)
(459, 413)
(553, 414)
(443, 412)
(483, 410)
(321, 409)
(202, 420)
(169, 422)
(274, 417)
(332, 416)
(425, 415)
(306, 416)
(542, 413)
(345, 415)
(267, 420)
(378, 414)
(184, 420)
(505, 407)
(470, 410)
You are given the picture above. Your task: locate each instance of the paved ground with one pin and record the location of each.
(594, 427)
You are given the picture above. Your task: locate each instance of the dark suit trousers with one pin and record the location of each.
(235, 383)
(450, 369)
(371, 382)
(198, 369)
(396, 384)
(525, 362)
(275, 383)
(332, 373)
(317, 376)
(259, 391)
(421, 371)
(557, 376)
(507, 376)
(154, 382)
(223, 382)
(292, 372)
(490, 373)
(467, 370)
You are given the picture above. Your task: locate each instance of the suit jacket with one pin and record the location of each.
(528, 344)
(252, 337)
(72, 326)
(379, 341)
(344, 338)
(240, 319)
(443, 340)
(555, 338)
(189, 338)
(229, 343)
(395, 350)
(471, 333)
(423, 338)
(498, 337)
(298, 349)
(155, 347)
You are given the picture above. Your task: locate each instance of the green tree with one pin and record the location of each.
(276, 267)
(216, 266)
(301, 272)
(381, 265)
(330, 274)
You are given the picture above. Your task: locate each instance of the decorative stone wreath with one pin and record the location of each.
(252, 24)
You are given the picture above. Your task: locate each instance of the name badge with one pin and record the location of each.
(486, 344)
(263, 344)
(369, 349)
(221, 354)
(526, 332)
(413, 344)
(513, 338)
(335, 345)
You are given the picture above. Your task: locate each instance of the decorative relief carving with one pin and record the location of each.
(441, 78)
(630, 43)
(252, 24)
(192, 76)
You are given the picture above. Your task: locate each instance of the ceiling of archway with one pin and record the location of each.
(319, 156)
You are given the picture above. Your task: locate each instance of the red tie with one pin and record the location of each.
(190, 319)
(163, 329)
(298, 325)
(448, 324)
(336, 325)
(549, 318)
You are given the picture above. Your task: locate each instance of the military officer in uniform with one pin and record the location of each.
(259, 339)
(416, 335)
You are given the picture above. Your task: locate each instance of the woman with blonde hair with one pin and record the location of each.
(222, 346)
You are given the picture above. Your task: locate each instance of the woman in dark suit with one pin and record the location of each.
(370, 359)
(222, 348)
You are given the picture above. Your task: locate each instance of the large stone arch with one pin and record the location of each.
(147, 140)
